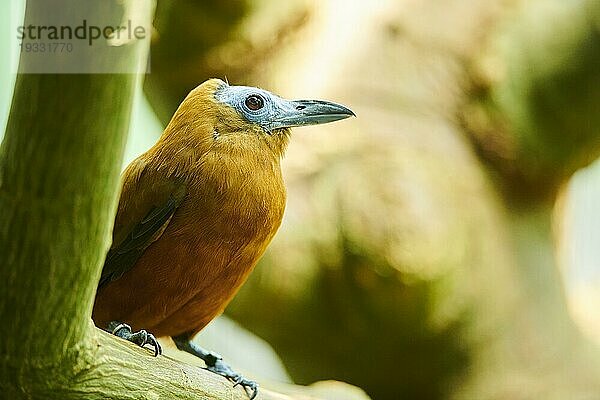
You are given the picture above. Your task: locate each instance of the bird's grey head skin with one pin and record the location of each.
(273, 112)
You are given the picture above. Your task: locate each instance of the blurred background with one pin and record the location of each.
(444, 244)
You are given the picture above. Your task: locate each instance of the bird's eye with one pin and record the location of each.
(254, 102)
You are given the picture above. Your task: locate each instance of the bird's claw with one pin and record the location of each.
(221, 368)
(250, 387)
(214, 363)
(141, 337)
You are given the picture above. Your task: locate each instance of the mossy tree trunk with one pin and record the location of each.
(60, 163)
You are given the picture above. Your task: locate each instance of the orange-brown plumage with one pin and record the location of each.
(196, 213)
(232, 207)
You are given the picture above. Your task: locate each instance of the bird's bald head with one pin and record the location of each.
(242, 115)
(271, 112)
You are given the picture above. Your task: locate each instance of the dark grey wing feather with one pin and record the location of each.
(123, 257)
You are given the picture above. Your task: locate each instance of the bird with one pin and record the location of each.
(196, 212)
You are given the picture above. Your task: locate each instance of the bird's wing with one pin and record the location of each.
(146, 206)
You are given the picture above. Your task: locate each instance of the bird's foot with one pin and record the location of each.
(214, 363)
(141, 337)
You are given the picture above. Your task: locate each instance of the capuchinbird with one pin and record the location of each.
(196, 213)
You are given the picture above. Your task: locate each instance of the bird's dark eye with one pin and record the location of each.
(254, 102)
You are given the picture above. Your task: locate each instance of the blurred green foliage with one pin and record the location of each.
(186, 31)
(533, 147)
(357, 325)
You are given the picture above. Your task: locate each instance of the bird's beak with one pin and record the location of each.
(309, 112)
